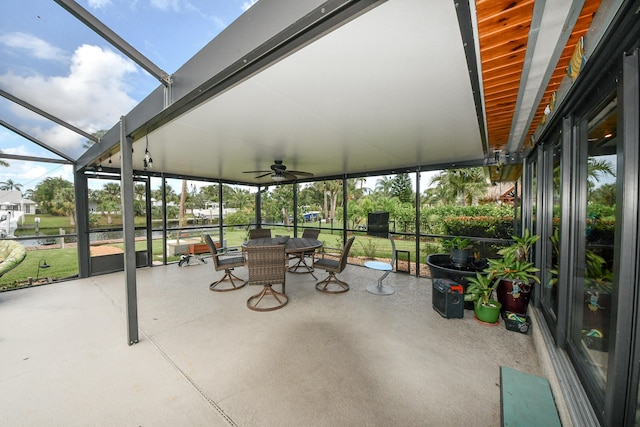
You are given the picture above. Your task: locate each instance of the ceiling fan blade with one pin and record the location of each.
(281, 170)
(289, 175)
(300, 173)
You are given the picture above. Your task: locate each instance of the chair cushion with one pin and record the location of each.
(327, 263)
(231, 261)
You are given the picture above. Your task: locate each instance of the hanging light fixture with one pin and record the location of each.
(148, 161)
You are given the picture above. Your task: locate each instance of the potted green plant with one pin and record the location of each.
(460, 251)
(516, 273)
(480, 290)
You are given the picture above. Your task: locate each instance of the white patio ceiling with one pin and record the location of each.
(388, 90)
(354, 87)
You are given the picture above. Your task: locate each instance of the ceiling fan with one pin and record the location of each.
(279, 172)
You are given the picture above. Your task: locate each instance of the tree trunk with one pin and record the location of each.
(325, 207)
(183, 200)
(334, 201)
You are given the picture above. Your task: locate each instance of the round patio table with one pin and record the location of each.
(293, 245)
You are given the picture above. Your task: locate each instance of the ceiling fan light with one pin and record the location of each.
(277, 177)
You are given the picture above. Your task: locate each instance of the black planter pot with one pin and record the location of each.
(460, 257)
(442, 268)
(514, 295)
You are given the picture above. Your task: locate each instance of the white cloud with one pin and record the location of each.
(20, 150)
(28, 174)
(166, 5)
(33, 46)
(99, 4)
(59, 138)
(91, 97)
(246, 5)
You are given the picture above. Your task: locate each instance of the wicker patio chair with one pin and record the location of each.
(267, 267)
(12, 253)
(259, 233)
(334, 265)
(301, 263)
(226, 263)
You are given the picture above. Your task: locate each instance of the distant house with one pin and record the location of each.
(13, 201)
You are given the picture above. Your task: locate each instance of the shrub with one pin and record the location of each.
(369, 247)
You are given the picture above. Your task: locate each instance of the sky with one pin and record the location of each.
(51, 60)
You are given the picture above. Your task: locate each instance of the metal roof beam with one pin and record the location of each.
(51, 117)
(35, 141)
(548, 36)
(34, 159)
(118, 42)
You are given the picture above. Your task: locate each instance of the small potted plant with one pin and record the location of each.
(516, 273)
(460, 251)
(480, 291)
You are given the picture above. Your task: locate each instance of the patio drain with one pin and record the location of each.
(202, 393)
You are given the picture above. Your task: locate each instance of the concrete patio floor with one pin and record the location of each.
(204, 359)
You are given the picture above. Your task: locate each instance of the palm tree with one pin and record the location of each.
(63, 203)
(183, 199)
(109, 199)
(605, 195)
(139, 194)
(597, 169)
(28, 194)
(9, 185)
(240, 199)
(46, 191)
(331, 191)
(3, 163)
(384, 185)
(210, 192)
(312, 195)
(89, 143)
(460, 185)
(356, 188)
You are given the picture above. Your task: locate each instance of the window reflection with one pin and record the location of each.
(594, 272)
(550, 271)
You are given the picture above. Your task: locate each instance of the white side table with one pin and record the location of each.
(380, 289)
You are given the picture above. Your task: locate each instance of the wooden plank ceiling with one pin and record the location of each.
(503, 29)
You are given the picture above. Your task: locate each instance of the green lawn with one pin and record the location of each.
(64, 262)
